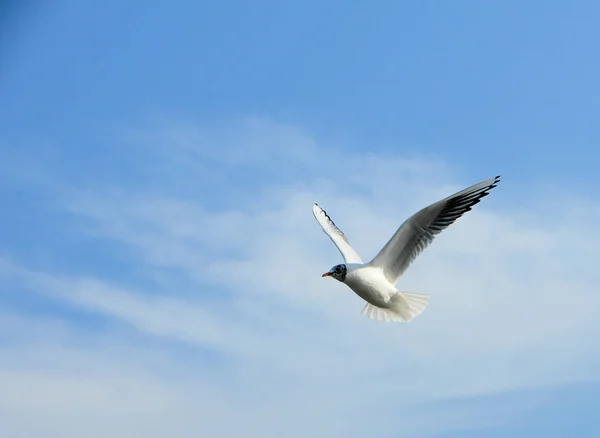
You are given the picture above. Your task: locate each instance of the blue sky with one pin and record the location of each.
(159, 262)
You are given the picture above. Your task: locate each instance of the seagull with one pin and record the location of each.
(375, 281)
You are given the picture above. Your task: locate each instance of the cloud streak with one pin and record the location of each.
(228, 271)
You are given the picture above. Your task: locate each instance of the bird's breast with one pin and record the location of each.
(370, 284)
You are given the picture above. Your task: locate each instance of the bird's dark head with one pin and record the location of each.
(338, 272)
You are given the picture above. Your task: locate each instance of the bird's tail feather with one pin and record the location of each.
(404, 307)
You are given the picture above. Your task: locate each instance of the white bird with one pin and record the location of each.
(375, 281)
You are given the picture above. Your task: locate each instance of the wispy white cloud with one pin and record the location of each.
(238, 278)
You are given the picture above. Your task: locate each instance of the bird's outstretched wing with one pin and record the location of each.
(418, 231)
(336, 235)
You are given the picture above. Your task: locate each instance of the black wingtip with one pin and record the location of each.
(495, 183)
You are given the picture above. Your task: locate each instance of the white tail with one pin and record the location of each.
(404, 307)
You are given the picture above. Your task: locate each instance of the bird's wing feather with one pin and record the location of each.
(418, 231)
(336, 235)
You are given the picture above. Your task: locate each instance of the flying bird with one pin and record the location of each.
(375, 281)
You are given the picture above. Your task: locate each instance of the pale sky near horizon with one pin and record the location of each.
(160, 268)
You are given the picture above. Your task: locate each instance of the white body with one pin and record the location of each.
(370, 284)
(375, 281)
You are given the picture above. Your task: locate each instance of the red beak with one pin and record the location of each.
(326, 274)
